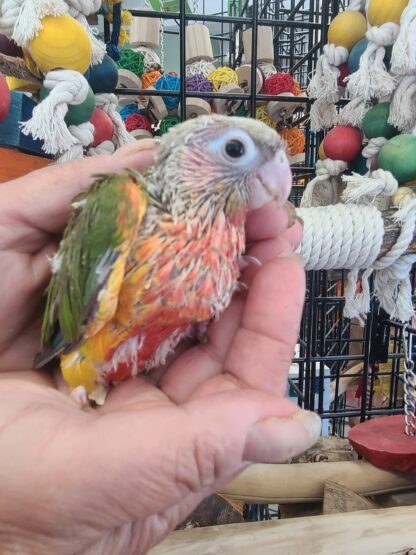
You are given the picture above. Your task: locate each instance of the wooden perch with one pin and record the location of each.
(15, 67)
(375, 532)
(304, 483)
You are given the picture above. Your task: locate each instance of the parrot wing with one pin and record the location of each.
(89, 267)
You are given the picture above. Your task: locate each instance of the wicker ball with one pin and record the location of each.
(61, 43)
(137, 121)
(151, 60)
(169, 83)
(295, 140)
(279, 83)
(168, 122)
(263, 115)
(200, 68)
(132, 61)
(223, 76)
(149, 79)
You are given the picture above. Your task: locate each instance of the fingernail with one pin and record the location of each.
(276, 440)
(291, 210)
(311, 422)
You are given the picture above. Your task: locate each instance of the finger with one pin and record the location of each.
(131, 393)
(269, 222)
(55, 187)
(166, 453)
(200, 363)
(263, 346)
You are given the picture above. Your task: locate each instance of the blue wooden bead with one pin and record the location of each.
(103, 77)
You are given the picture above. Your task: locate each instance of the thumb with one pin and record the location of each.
(156, 456)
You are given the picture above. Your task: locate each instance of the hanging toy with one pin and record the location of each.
(295, 140)
(144, 32)
(198, 44)
(103, 77)
(77, 113)
(280, 84)
(343, 143)
(225, 81)
(169, 83)
(345, 31)
(403, 61)
(244, 78)
(262, 115)
(54, 41)
(398, 156)
(198, 106)
(103, 127)
(138, 125)
(167, 123)
(265, 53)
(372, 79)
(378, 131)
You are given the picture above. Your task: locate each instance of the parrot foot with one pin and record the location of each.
(80, 396)
(99, 394)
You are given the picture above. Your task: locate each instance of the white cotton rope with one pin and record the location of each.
(354, 112)
(48, 118)
(28, 22)
(83, 136)
(323, 189)
(350, 236)
(80, 10)
(9, 12)
(403, 105)
(403, 58)
(356, 5)
(106, 147)
(372, 150)
(341, 236)
(372, 80)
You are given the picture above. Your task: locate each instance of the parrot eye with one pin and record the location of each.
(235, 148)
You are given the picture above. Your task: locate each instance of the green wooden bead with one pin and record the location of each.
(376, 124)
(398, 156)
(77, 113)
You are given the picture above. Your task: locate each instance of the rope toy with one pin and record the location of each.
(279, 83)
(295, 140)
(169, 83)
(403, 59)
(132, 61)
(222, 76)
(168, 122)
(324, 189)
(403, 105)
(137, 121)
(262, 115)
(149, 79)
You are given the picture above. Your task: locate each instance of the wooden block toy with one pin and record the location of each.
(227, 106)
(196, 107)
(265, 51)
(14, 164)
(198, 44)
(144, 31)
(21, 109)
(244, 78)
(279, 110)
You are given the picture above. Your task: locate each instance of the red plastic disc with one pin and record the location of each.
(383, 443)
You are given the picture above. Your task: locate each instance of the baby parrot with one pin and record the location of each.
(145, 259)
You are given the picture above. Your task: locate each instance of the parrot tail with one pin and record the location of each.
(58, 346)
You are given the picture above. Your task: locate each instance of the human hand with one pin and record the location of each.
(117, 479)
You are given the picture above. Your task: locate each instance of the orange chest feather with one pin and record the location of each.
(181, 275)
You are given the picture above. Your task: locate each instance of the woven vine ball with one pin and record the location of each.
(169, 82)
(149, 79)
(137, 121)
(263, 115)
(223, 76)
(131, 60)
(202, 67)
(151, 60)
(295, 140)
(168, 122)
(296, 88)
(279, 83)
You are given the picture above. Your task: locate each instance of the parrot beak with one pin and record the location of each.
(272, 182)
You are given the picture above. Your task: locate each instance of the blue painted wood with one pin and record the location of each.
(21, 109)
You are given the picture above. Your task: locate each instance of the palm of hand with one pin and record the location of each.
(116, 480)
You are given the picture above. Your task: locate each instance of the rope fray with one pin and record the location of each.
(29, 20)
(48, 118)
(403, 59)
(324, 188)
(372, 80)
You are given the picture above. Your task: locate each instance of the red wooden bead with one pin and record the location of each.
(103, 125)
(383, 443)
(4, 98)
(343, 73)
(343, 143)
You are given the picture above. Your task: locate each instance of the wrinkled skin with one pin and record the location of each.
(118, 479)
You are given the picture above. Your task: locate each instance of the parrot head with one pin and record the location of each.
(215, 162)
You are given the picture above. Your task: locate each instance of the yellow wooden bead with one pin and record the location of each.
(62, 43)
(383, 11)
(347, 29)
(30, 64)
(321, 152)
